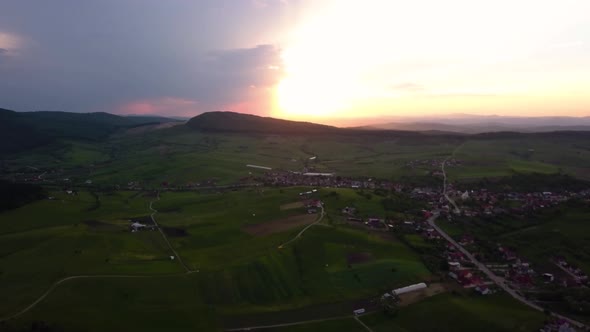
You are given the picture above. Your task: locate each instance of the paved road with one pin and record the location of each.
(568, 272)
(306, 228)
(154, 212)
(496, 279)
(445, 183)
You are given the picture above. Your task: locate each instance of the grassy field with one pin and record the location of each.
(235, 273)
(460, 313)
(238, 268)
(442, 313)
(503, 157)
(565, 233)
(344, 325)
(73, 235)
(116, 304)
(180, 156)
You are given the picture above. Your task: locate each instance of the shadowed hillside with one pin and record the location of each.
(237, 122)
(21, 131)
(13, 195)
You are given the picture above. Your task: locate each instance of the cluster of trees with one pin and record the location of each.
(574, 300)
(22, 131)
(402, 202)
(534, 182)
(13, 195)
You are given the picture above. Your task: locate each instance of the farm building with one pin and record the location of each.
(408, 289)
(137, 226)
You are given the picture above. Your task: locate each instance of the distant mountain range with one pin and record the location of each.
(457, 123)
(22, 131)
(475, 124)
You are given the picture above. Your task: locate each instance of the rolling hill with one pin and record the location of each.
(476, 124)
(238, 122)
(24, 130)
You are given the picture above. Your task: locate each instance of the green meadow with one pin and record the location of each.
(460, 313)
(232, 240)
(125, 275)
(528, 154)
(443, 312)
(564, 232)
(181, 156)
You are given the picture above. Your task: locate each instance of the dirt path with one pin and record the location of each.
(306, 228)
(363, 324)
(280, 225)
(176, 256)
(61, 281)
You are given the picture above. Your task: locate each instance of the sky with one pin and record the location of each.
(327, 61)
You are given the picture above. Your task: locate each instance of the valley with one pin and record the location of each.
(169, 227)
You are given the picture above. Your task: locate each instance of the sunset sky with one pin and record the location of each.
(317, 60)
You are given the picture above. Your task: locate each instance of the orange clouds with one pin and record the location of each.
(161, 106)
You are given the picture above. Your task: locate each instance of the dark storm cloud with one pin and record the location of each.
(246, 67)
(103, 55)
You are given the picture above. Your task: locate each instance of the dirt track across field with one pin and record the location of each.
(290, 206)
(280, 225)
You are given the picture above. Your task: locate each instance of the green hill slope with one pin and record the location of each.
(21, 131)
(237, 122)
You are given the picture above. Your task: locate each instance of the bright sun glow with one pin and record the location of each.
(348, 58)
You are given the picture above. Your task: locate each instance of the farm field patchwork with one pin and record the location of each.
(230, 237)
(233, 272)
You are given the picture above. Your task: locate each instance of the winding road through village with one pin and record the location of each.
(482, 267)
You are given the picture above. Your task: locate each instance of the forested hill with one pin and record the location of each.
(238, 122)
(253, 124)
(21, 131)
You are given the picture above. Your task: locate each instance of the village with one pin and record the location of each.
(507, 264)
(511, 269)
